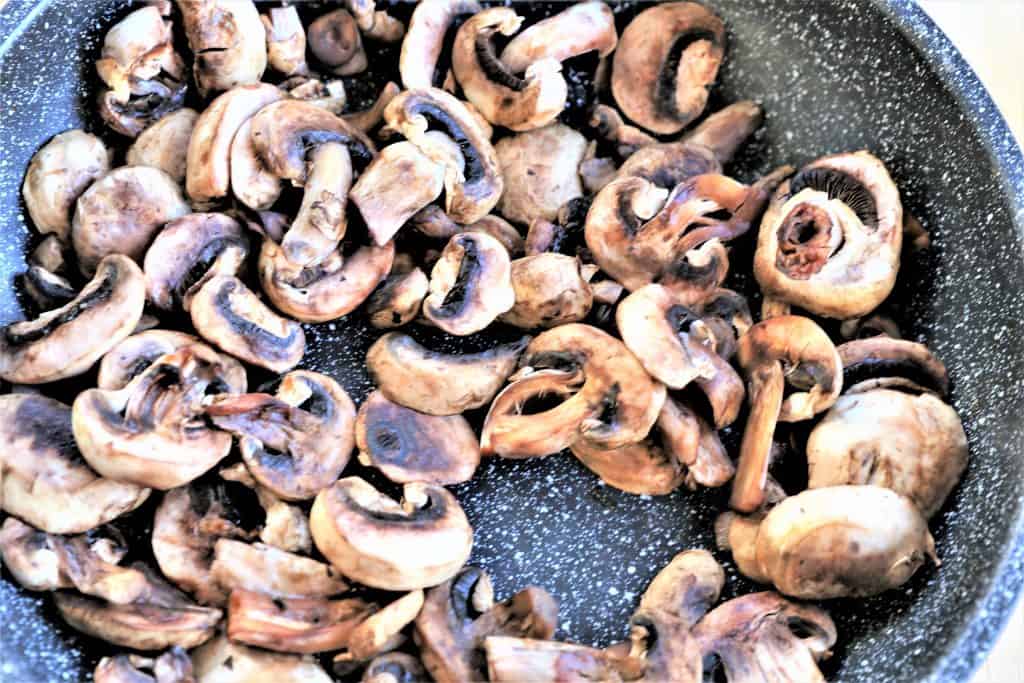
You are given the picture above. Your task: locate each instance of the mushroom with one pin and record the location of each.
(460, 614)
(264, 569)
(335, 40)
(121, 213)
(395, 667)
(470, 285)
(49, 255)
(609, 126)
(473, 182)
(208, 161)
(432, 221)
(43, 479)
(514, 660)
(409, 446)
(502, 97)
(787, 348)
(221, 661)
(295, 443)
(424, 39)
(368, 119)
(831, 542)
(173, 666)
(582, 27)
(380, 632)
(565, 235)
(329, 95)
(131, 357)
(724, 391)
(188, 252)
(438, 383)
(724, 131)
(550, 290)
(881, 356)
(728, 315)
(540, 168)
(397, 301)
(666, 164)
(285, 526)
(66, 341)
(400, 181)
(286, 41)
(47, 290)
(762, 637)
(659, 648)
(686, 588)
(228, 314)
(58, 174)
(228, 41)
(870, 326)
(666, 62)
(376, 24)
(164, 144)
(830, 240)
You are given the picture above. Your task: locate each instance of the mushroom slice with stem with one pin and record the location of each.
(666, 164)
(394, 667)
(398, 299)
(334, 39)
(121, 213)
(514, 660)
(379, 632)
(728, 314)
(221, 661)
(541, 171)
(470, 285)
(724, 131)
(460, 614)
(424, 39)
(502, 97)
(659, 648)
(764, 637)
(432, 221)
(881, 356)
(286, 41)
(297, 442)
(380, 543)
(264, 569)
(60, 171)
(724, 391)
(173, 666)
(830, 240)
(43, 478)
(131, 357)
(550, 290)
(831, 542)
(775, 351)
(581, 28)
(473, 182)
(164, 144)
(188, 252)
(228, 41)
(409, 446)
(439, 383)
(66, 341)
(230, 315)
(686, 588)
(666, 62)
(46, 289)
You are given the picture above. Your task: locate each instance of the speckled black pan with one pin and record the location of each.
(832, 75)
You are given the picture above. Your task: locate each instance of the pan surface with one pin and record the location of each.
(833, 75)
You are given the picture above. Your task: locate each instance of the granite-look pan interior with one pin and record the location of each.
(833, 75)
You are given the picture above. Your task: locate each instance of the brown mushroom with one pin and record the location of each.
(335, 40)
(513, 660)
(380, 632)
(173, 666)
(666, 164)
(131, 357)
(395, 667)
(264, 569)
(432, 221)
(376, 24)
(286, 41)
(881, 356)
(398, 299)
(228, 41)
(609, 126)
(285, 526)
(724, 131)
(550, 290)
(540, 168)
(582, 28)
(686, 588)
(368, 119)
(164, 144)
(221, 661)
(424, 39)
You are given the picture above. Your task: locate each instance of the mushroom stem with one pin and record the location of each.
(320, 223)
(767, 385)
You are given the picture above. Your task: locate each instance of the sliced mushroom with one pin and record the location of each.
(43, 479)
(473, 183)
(397, 301)
(728, 314)
(424, 40)
(686, 588)
(666, 61)
(121, 213)
(582, 28)
(173, 666)
(381, 631)
(432, 221)
(66, 341)
(58, 174)
(470, 285)
(565, 236)
(773, 352)
(228, 314)
(502, 97)
(368, 119)
(335, 40)
(50, 255)
(830, 240)
(286, 41)
(221, 661)
(47, 290)
(376, 24)
(870, 326)
(131, 357)
(409, 446)
(550, 290)
(727, 129)
(164, 144)
(297, 442)
(271, 571)
(659, 648)
(666, 164)
(228, 41)
(881, 356)
(459, 615)
(329, 95)
(188, 252)
(395, 667)
(837, 541)
(513, 660)
(724, 391)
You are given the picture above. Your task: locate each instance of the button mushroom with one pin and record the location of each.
(296, 442)
(409, 446)
(380, 543)
(58, 174)
(550, 290)
(832, 542)
(335, 40)
(666, 62)
(164, 144)
(831, 237)
(398, 299)
(581, 28)
(773, 352)
(439, 383)
(230, 315)
(228, 41)
(264, 569)
(221, 661)
(286, 41)
(131, 357)
(424, 40)
(66, 341)
(173, 666)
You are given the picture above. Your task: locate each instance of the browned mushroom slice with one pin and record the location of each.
(173, 666)
(440, 383)
(513, 660)
(873, 325)
(43, 479)
(264, 569)
(376, 24)
(121, 213)
(46, 289)
(395, 666)
(221, 661)
(188, 252)
(659, 648)
(230, 315)
(549, 291)
(380, 543)
(728, 314)
(666, 164)
(380, 632)
(882, 356)
(368, 119)
(666, 61)
(328, 95)
(609, 126)
(397, 301)
(724, 391)
(582, 28)
(164, 144)
(228, 41)
(131, 357)
(424, 40)
(58, 174)
(297, 442)
(473, 182)
(831, 237)
(285, 526)
(686, 588)
(540, 168)
(335, 40)
(409, 446)
(460, 614)
(724, 131)
(286, 41)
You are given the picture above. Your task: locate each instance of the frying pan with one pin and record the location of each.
(833, 75)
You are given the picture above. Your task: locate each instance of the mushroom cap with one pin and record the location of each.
(335, 39)
(409, 446)
(58, 174)
(687, 587)
(66, 341)
(582, 27)
(164, 144)
(665, 64)
(228, 41)
(664, 647)
(424, 39)
(398, 299)
(541, 171)
(264, 569)
(222, 661)
(879, 357)
(132, 356)
(666, 164)
(121, 213)
(550, 290)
